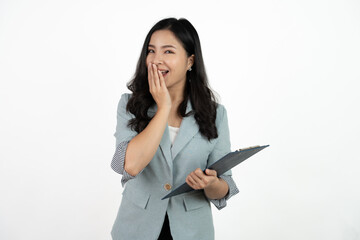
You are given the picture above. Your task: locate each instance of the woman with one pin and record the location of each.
(168, 130)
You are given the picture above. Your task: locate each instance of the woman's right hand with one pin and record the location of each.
(157, 87)
(142, 148)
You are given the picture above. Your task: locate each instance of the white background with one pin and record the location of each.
(287, 72)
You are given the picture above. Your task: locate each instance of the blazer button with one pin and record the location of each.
(167, 187)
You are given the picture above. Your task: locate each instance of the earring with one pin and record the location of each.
(190, 69)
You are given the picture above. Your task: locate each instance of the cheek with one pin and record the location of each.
(148, 60)
(177, 66)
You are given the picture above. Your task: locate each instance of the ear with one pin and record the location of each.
(190, 61)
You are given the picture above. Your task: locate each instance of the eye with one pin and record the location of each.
(168, 51)
(150, 51)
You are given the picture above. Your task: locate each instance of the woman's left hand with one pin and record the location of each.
(199, 180)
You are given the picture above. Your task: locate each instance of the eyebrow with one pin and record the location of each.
(165, 46)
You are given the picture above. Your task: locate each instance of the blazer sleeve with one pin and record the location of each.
(123, 136)
(222, 147)
(222, 144)
(123, 132)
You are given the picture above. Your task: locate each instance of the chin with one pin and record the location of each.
(167, 82)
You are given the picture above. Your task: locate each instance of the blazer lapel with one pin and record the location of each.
(165, 146)
(188, 128)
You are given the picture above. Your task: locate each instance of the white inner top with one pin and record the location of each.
(173, 132)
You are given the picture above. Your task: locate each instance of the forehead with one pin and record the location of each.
(164, 37)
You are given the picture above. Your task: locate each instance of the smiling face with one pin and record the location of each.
(168, 54)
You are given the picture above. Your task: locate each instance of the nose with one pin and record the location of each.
(157, 59)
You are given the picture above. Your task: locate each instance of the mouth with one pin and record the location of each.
(164, 72)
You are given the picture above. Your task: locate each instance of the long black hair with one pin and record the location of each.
(196, 89)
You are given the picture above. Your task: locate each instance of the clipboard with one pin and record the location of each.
(221, 166)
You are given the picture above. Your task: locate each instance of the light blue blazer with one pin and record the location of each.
(141, 213)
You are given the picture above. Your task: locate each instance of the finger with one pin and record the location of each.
(162, 80)
(199, 182)
(200, 174)
(210, 172)
(156, 76)
(191, 182)
(198, 179)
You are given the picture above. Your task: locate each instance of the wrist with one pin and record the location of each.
(164, 108)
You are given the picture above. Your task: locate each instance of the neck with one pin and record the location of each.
(177, 95)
